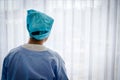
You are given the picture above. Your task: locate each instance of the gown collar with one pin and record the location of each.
(35, 47)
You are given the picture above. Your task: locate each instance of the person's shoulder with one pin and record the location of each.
(11, 54)
(13, 51)
(55, 54)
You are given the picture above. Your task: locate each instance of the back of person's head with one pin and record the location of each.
(38, 24)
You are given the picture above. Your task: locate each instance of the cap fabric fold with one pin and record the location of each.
(38, 24)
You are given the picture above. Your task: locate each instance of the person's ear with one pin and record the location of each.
(46, 39)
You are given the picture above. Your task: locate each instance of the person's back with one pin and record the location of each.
(33, 61)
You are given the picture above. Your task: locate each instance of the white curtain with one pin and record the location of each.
(86, 33)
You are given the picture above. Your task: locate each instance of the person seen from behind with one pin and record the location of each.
(34, 61)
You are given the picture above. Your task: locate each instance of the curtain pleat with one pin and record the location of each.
(86, 33)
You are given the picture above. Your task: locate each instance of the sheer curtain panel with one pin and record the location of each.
(86, 33)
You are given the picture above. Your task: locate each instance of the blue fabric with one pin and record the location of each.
(25, 64)
(38, 21)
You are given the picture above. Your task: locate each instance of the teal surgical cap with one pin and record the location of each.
(38, 24)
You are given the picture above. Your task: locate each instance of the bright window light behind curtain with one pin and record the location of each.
(86, 33)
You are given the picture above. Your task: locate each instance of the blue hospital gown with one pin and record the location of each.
(25, 64)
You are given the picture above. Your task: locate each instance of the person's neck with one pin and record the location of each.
(33, 41)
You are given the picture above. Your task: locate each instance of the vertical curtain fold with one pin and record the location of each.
(86, 33)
